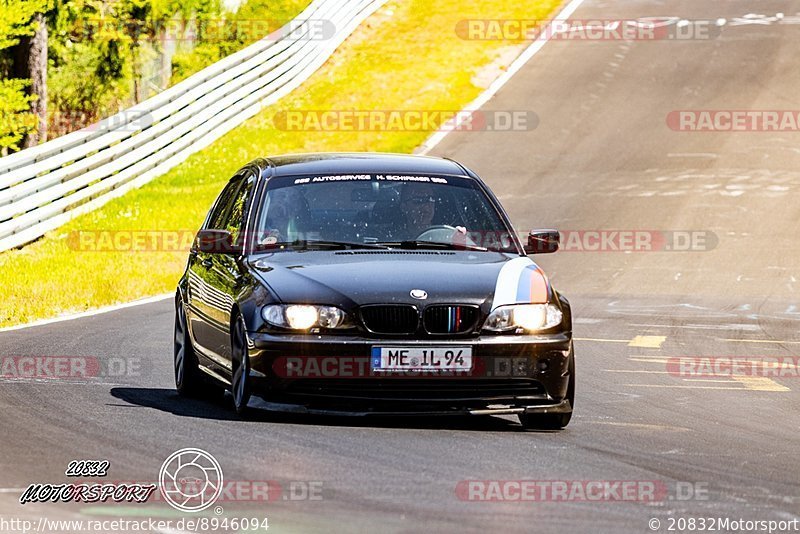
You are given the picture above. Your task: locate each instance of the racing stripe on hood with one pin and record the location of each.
(520, 281)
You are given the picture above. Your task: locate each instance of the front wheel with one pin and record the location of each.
(240, 385)
(187, 375)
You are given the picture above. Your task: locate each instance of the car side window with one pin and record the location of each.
(234, 219)
(218, 217)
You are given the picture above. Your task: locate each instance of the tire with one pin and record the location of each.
(188, 381)
(553, 421)
(240, 383)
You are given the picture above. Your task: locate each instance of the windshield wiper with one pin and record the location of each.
(416, 243)
(306, 244)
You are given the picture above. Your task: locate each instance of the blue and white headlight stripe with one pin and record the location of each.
(520, 281)
(532, 286)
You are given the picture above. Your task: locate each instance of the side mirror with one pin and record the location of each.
(542, 241)
(213, 242)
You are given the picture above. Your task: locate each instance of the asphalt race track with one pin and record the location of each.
(602, 157)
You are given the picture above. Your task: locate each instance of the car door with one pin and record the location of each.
(206, 307)
(227, 269)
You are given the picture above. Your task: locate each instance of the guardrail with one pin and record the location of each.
(45, 186)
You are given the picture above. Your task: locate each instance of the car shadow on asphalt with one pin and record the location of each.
(221, 408)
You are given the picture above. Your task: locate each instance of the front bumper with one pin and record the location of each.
(511, 374)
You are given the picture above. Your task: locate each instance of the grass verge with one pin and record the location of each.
(407, 56)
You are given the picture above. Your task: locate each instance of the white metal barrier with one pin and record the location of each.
(45, 186)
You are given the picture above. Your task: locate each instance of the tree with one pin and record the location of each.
(16, 120)
(89, 71)
(30, 63)
(23, 91)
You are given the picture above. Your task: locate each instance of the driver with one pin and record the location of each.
(418, 204)
(286, 215)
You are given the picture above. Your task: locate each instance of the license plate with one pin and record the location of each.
(421, 358)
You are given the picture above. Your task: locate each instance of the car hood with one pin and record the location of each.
(358, 277)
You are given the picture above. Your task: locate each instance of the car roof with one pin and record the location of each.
(359, 162)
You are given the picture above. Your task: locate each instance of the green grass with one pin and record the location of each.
(406, 56)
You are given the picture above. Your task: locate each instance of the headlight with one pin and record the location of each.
(301, 317)
(330, 317)
(523, 317)
(304, 317)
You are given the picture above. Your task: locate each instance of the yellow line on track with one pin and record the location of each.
(760, 383)
(648, 342)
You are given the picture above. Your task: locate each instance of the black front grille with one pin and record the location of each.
(390, 319)
(450, 319)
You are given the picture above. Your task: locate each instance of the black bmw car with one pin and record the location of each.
(372, 284)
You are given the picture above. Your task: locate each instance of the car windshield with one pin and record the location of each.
(374, 209)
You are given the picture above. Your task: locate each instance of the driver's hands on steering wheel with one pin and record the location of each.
(444, 233)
